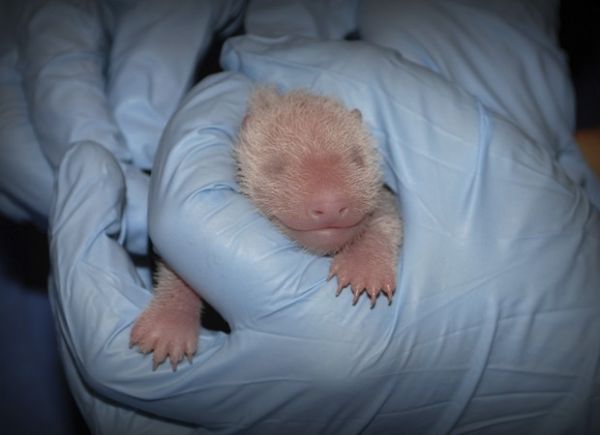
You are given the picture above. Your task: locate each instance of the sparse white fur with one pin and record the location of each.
(311, 166)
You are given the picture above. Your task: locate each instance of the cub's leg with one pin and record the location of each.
(369, 262)
(170, 325)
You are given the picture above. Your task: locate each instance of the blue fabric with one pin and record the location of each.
(495, 325)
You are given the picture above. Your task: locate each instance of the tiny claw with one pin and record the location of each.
(390, 297)
(189, 357)
(389, 293)
(341, 285)
(373, 299)
(357, 294)
(331, 274)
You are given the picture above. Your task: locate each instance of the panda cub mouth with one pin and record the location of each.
(325, 239)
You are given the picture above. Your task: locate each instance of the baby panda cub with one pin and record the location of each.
(312, 168)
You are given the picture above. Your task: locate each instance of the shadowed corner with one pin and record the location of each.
(580, 38)
(35, 395)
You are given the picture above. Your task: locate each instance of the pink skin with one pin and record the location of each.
(363, 242)
(325, 218)
(311, 167)
(169, 326)
(368, 263)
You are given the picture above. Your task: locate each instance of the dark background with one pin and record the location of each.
(34, 398)
(580, 37)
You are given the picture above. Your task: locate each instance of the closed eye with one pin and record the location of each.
(275, 166)
(358, 159)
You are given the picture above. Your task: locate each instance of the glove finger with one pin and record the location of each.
(143, 93)
(26, 180)
(63, 48)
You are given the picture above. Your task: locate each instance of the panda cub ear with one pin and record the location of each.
(264, 97)
(245, 120)
(357, 114)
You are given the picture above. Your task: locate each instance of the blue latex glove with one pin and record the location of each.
(107, 72)
(322, 19)
(25, 176)
(495, 325)
(504, 52)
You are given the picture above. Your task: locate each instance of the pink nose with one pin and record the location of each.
(328, 208)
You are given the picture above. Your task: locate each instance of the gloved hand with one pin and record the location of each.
(504, 53)
(106, 72)
(495, 322)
